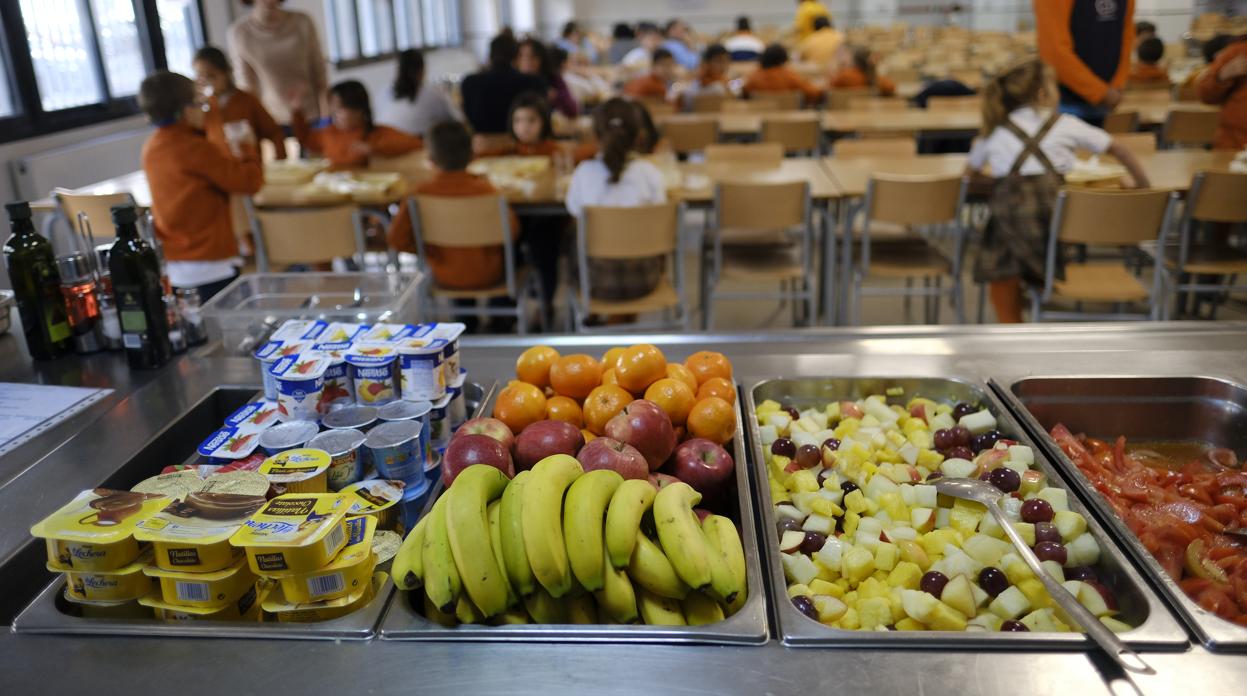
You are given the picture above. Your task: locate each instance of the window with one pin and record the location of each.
(71, 63)
(376, 29)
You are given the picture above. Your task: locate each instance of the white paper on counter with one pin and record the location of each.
(29, 409)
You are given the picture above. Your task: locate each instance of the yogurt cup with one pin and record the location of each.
(341, 332)
(457, 410)
(385, 546)
(245, 608)
(414, 500)
(192, 535)
(390, 333)
(296, 532)
(238, 438)
(421, 361)
(95, 530)
(125, 609)
(121, 585)
(212, 590)
(350, 569)
(299, 330)
(178, 484)
(449, 332)
(377, 498)
(270, 353)
(351, 418)
(339, 389)
(300, 386)
(411, 410)
(303, 470)
(346, 457)
(374, 374)
(285, 611)
(440, 430)
(396, 451)
(238, 482)
(288, 435)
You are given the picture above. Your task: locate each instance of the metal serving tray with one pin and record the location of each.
(49, 612)
(746, 627)
(1156, 629)
(1140, 408)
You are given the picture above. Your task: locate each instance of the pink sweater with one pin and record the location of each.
(269, 62)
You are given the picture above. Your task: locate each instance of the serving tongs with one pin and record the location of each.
(989, 496)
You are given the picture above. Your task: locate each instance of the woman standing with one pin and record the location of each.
(276, 52)
(414, 106)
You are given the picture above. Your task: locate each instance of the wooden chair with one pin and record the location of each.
(90, 215)
(753, 105)
(911, 201)
(878, 147)
(761, 232)
(757, 155)
(268, 152)
(288, 236)
(841, 99)
(467, 222)
(1214, 197)
(1099, 218)
(485, 142)
(970, 102)
(802, 134)
(1139, 143)
(687, 134)
(620, 234)
(657, 108)
(869, 103)
(709, 103)
(1122, 121)
(1189, 127)
(787, 100)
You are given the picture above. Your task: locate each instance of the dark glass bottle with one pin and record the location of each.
(37, 285)
(139, 296)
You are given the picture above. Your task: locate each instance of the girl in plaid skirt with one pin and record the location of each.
(1028, 147)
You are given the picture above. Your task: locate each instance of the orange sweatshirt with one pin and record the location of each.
(545, 148)
(1145, 74)
(781, 79)
(707, 76)
(647, 85)
(338, 145)
(191, 181)
(243, 106)
(853, 78)
(1056, 22)
(1230, 94)
(458, 268)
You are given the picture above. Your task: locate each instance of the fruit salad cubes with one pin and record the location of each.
(867, 543)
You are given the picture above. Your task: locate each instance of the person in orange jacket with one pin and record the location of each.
(532, 130)
(1224, 82)
(655, 83)
(774, 75)
(228, 104)
(191, 181)
(862, 74)
(1088, 44)
(349, 138)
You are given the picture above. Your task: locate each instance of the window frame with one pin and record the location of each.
(30, 119)
(416, 8)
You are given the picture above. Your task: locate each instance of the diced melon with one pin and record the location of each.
(1012, 507)
(1091, 598)
(986, 550)
(925, 495)
(913, 552)
(768, 434)
(957, 468)
(918, 605)
(956, 562)
(922, 518)
(1009, 604)
(800, 437)
(898, 532)
(908, 452)
(980, 597)
(1082, 551)
(959, 595)
(979, 422)
(990, 527)
(870, 525)
(1021, 454)
(807, 424)
(943, 518)
(829, 608)
(791, 512)
(1069, 524)
(866, 539)
(878, 486)
(799, 568)
(1056, 496)
(940, 421)
(1042, 621)
(1019, 467)
(831, 553)
(894, 505)
(780, 420)
(820, 524)
(804, 502)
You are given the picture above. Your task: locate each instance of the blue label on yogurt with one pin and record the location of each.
(241, 415)
(338, 347)
(300, 330)
(358, 360)
(336, 371)
(376, 373)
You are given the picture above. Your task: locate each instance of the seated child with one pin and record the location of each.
(349, 138)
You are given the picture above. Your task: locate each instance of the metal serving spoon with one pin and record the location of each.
(989, 495)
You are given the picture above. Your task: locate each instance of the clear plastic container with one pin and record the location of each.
(254, 305)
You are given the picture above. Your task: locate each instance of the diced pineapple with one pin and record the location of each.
(857, 564)
(1058, 498)
(832, 411)
(945, 618)
(831, 488)
(849, 621)
(878, 486)
(933, 542)
(1027, 531)
(870, 587)
(1035, 592)
(1069, 524)
(779, 494)
(965, 516)
(855, 502)
(803, 481)
(886, 556)
(894, 505)
(930, 459)
(1082, 551)
(905, 575)
(799, 568)
(829, 608)
(820, 505)
(984, 549)
(922, 440)
(1040, 621)
(851, 519)
(827, 573)
(767, 406)
(874, 612)
(908, 624)
(818, 586)
(1016, 569)
(1009, 604)
(799, 590)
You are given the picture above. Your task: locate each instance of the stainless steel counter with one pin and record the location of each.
(94, 445)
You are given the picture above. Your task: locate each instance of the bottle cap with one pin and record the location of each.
(124, 214)
(18, 210)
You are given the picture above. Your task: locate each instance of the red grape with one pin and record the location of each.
(808, 456)
(1046, 531)
(805, 605)
(959, 453)
(787, 525)
(832, 444)
(963, 409)
(1014, 627)
(1005, 479)
(848, 487)
(784, 448)
(791, 411)
(1079, 572)
(1051, 551)
(961, 435)
(943, 439)
(1037, 510)
(985, 441)
(993, 581)
(933, 583)
(813, 542)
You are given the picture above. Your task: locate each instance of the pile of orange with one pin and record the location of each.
(699, 395)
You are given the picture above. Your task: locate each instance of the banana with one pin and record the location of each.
(544, 608)
(631, 501)
(494, 512)
(466, 612)
(723, 537)
(511, 617)
(407, 567)
(700, 610)
(617, 599)
(660, 611)
(723, 585)
(436, 615)
(584, 513)
(513, 555)
(650, 568)
(581, 610)
(441, 577)
(680, 534)
(467, 525)
(541, 519)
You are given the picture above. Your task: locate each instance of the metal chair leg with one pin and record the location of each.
(981, 313)
(908, 303)
(935, 299)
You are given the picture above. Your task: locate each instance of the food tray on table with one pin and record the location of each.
(1138, 408)
(746, 627)
(1154, 628)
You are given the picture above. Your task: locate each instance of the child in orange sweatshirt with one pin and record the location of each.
(1148, 72)
(862, 73)
(191, 181)
(1224, 82)
(350, 137)
(532, 131)
(774, 75)
(655, 83)
(228, 104)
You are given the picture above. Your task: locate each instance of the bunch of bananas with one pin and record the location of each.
(556, 545)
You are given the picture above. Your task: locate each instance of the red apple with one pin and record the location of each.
(488, 426)
(702, 514)
(544, 438)
(850, 409)
(466, 450)
(645, 426)
(609, 453)
(704, 465)
(918, 411)
(661, 481)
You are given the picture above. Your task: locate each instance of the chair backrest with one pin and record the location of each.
(1217, 196)
(630, 233)
(787, 100)
(657, 107)
(869, 103)
(1188, 91)
(708, 102)
(1122, 121)
(1191, 127)
(752, 105)
(1136, 142)
(94, 210)
(914, 200)
(690, 134)
(795, 135)
(963, 103)
(761, 207)
(413, 167)
(1109, 217)
(879, 147)
(757, 154)
(307, 235)
(462, 221)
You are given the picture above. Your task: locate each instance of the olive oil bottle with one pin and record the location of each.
(139, 294)
(36, 283)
